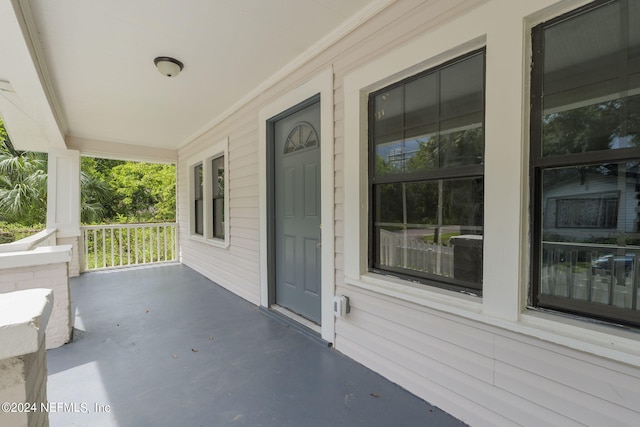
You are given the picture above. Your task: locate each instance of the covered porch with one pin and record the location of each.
(193, 343)
(163, 345)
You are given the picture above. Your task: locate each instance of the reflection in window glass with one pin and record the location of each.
(584, 162)
(590, 103)
(433, 121)
(217, 172)
(431, 228)
(590, 241)
(198, 200)
(427, 221)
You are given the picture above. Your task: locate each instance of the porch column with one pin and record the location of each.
(63, 201)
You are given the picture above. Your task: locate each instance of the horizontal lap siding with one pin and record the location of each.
(477, 372)
(583, 387)
(519, 381)
(237, 267)
(469, 370)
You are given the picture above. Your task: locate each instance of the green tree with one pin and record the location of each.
(95, 193)
(128, 191)
(23, 184)
(145, 192)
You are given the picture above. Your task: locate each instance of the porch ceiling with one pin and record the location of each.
(80, 74)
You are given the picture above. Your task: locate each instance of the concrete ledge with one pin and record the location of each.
(23, 319)
(39, 256)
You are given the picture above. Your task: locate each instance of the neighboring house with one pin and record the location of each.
(281, 199)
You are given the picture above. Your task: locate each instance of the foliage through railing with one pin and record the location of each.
(122, 245)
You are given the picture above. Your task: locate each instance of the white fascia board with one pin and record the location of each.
(27, 73)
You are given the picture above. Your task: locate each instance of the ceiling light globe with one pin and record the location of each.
(167, 66)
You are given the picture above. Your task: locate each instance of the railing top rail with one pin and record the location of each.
(28, 242)
(146, 224)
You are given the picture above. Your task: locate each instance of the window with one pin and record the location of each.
(585, 162)
(210, 195)
(426, 186)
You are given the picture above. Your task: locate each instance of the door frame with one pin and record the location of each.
(322, 85)
(272, 152)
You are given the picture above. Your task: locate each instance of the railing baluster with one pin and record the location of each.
(136, 239)
(113, 255)
(95, 248)
(128, 246)
(151, 243)
(164, 234)
(120, 244)
(173, 244)
(144, 245)
(104, 247)
(85, 239)
(158, 243)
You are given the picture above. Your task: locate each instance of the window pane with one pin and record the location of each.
(197, 171)
(198, 202)
(436, 120)
(422, 202)
(462, 204)
(421, 101)
(389, 203)
(199, 205)
(424, 153)
(605, 275)
(462, 87)
(462, 145)
(590, 233)
(634, 37)
(591, 203)
(581, 52)
(392, 155)
(218, 218)
(217, 172)
(388, 112)
(590, 93)
(432, 228)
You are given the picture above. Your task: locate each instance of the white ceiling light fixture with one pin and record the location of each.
(168, 66)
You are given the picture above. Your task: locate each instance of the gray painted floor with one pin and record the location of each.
(164, 346)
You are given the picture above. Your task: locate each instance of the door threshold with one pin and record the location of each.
(295, 321)
(297, 318)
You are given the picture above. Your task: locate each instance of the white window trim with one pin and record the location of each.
(204, 158)
(506, 247)
(357, 86)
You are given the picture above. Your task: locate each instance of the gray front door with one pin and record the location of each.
(297, 211)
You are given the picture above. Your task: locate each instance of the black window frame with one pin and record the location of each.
(540, 162)
(434, 175)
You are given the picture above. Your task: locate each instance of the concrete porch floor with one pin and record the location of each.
(164, 346)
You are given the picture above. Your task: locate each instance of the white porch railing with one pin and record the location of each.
(122, 245)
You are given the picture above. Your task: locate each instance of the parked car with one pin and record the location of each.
(604, 264)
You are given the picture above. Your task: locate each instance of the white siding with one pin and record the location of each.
(476, 370)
